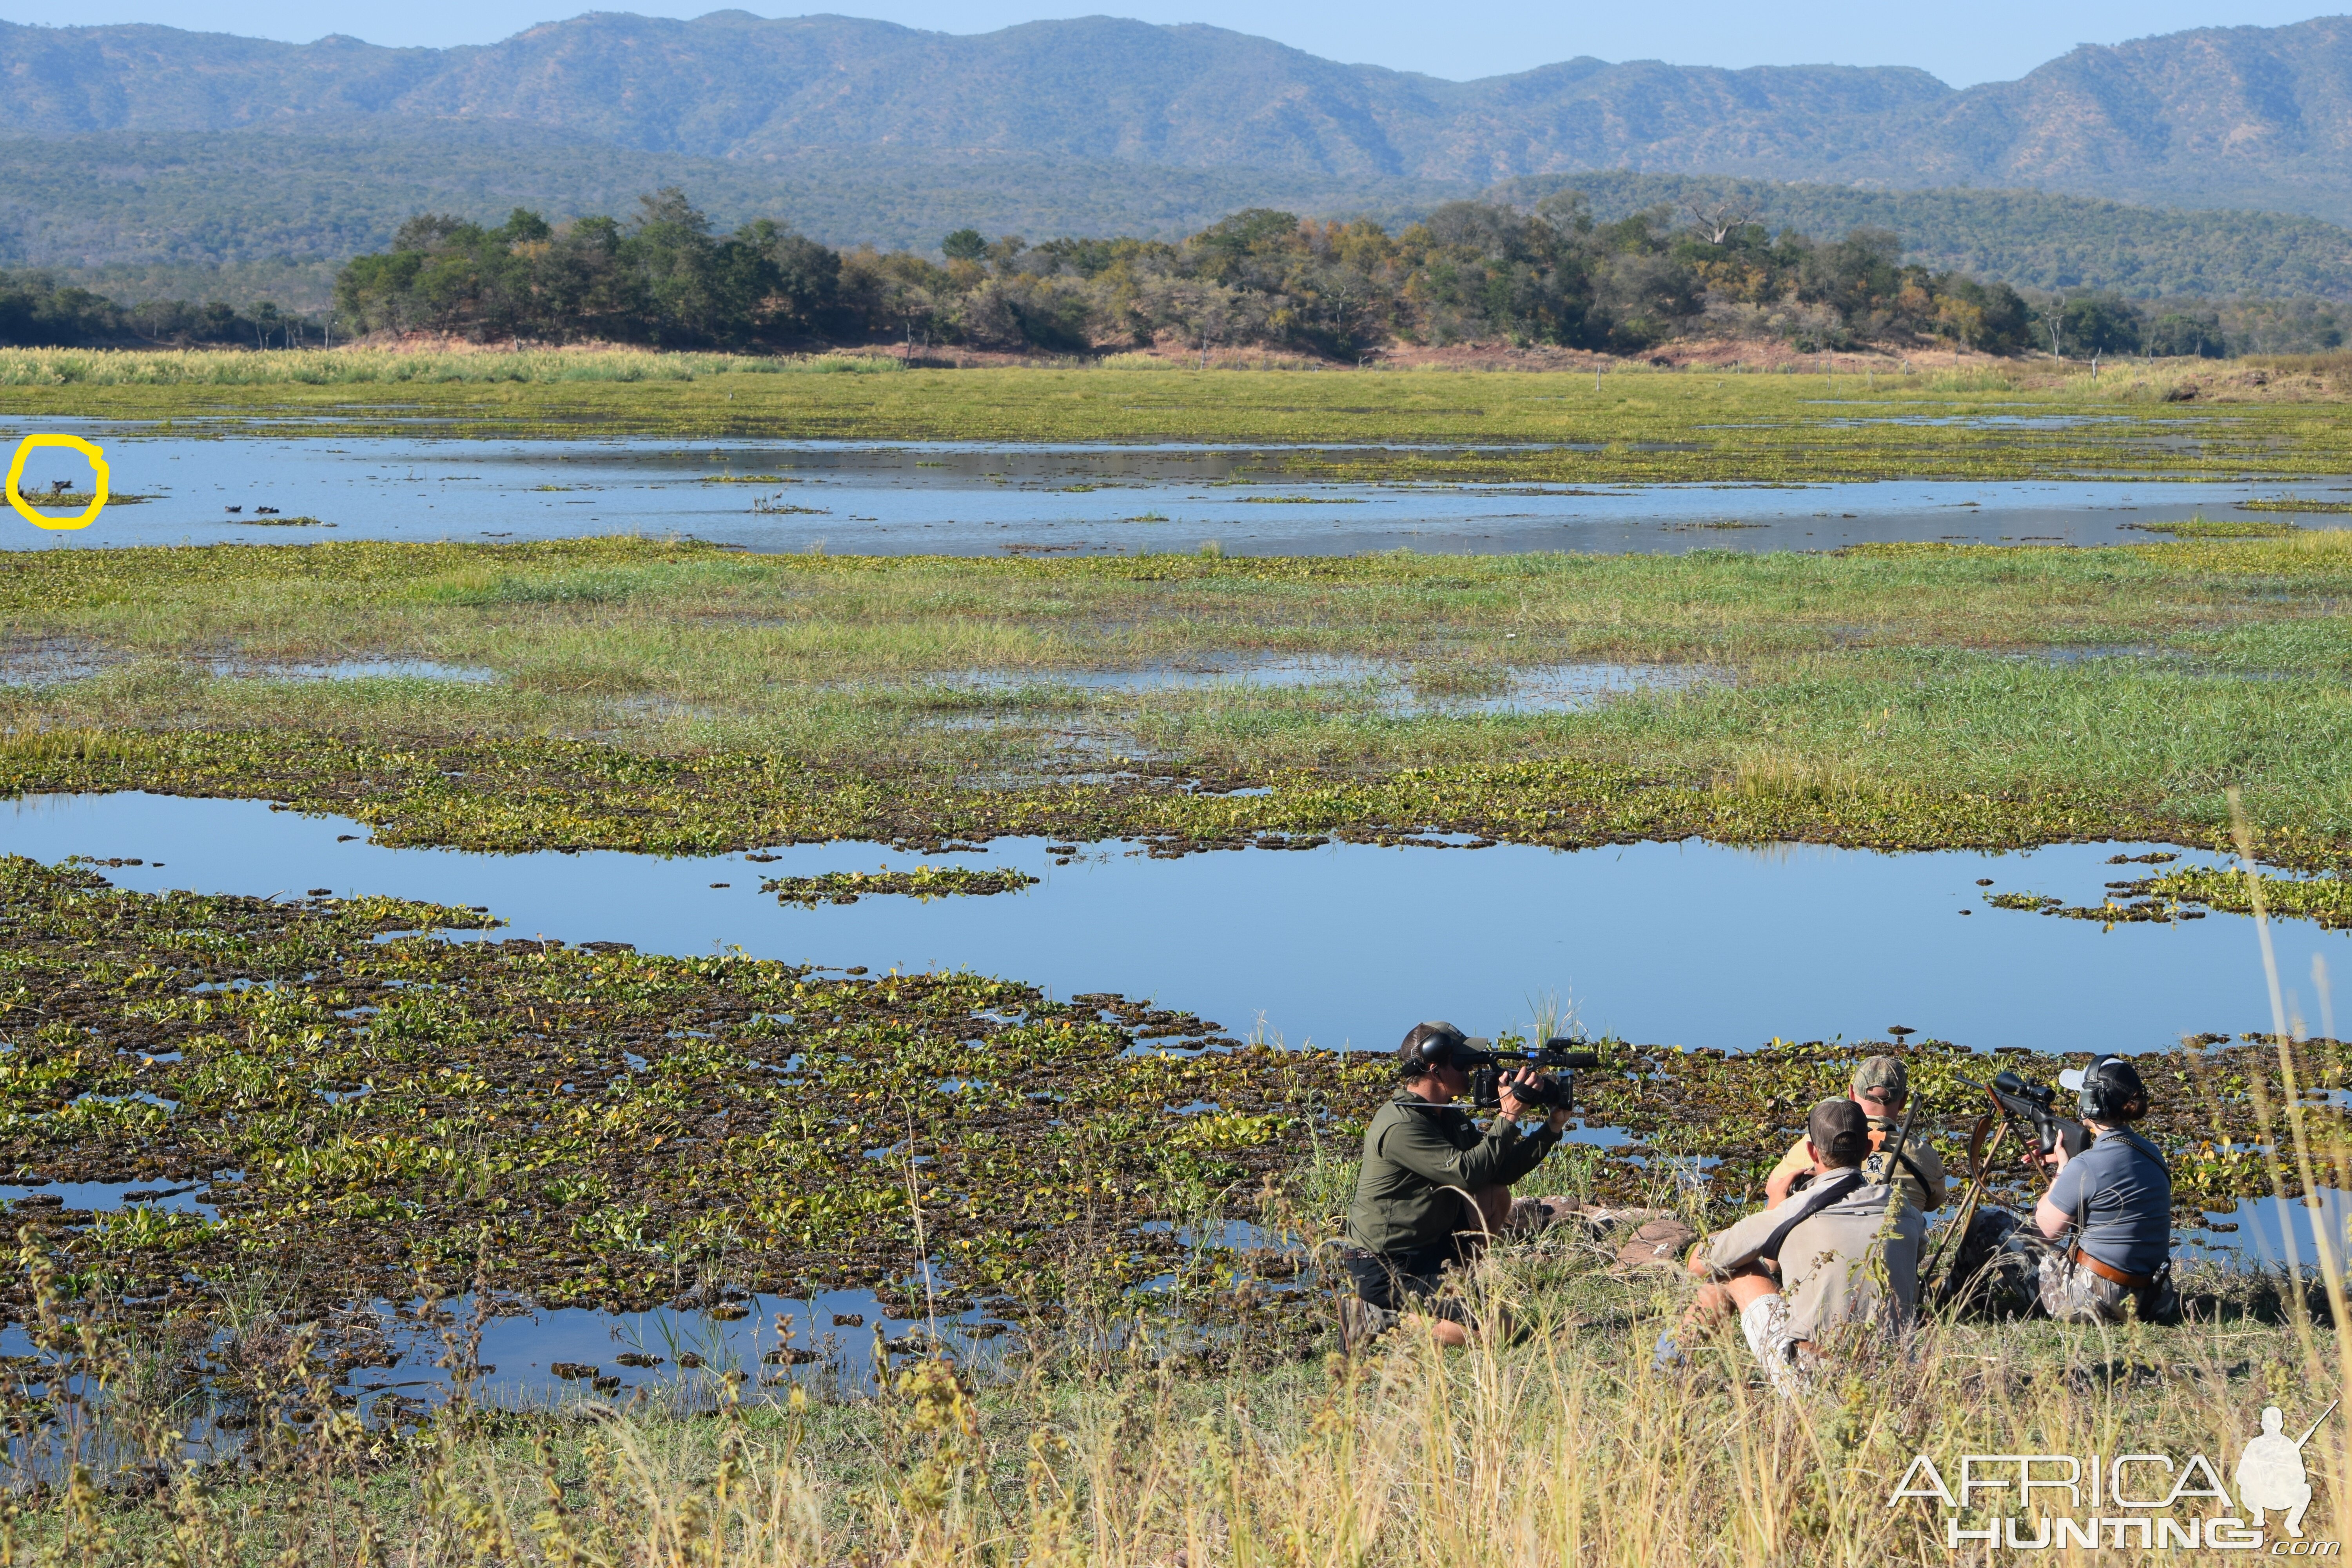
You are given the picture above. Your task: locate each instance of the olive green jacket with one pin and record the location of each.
(1413, 1154)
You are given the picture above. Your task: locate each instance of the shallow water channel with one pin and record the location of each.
(1345, 945)
(1694, 944)
(963, 499)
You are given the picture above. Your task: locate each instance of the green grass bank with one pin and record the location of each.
(1634, 423)
(674, 697)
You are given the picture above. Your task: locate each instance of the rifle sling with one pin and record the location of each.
(1808, 1202)
(1906, 1163)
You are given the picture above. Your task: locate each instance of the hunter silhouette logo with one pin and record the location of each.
(2269, 1472)
(2157, 1503)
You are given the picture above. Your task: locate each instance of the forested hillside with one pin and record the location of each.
(256, 215)
(2221, 116)
(153, 164)
(2030, 239)
(193, 212)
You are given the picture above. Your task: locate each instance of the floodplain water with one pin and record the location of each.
(1534, 688)
(965, 499)
(1345, 945)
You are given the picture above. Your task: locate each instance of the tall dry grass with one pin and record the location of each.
(1568, 1450)
(1563, 1444)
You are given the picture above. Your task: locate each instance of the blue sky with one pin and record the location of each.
(1984, 40)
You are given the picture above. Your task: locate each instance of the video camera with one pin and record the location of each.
(2028, 1106)
(1555, 1057)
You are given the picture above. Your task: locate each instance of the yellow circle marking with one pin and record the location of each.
(97, 486)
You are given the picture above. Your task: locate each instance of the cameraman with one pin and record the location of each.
(2115, 1198)
(1433, 1183)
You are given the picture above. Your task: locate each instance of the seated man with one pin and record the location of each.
(2109, 1210)
(1882, 1088)
(1834, 1248)
(1433, 1183)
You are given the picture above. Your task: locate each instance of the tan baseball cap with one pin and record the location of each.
(1883, 1073)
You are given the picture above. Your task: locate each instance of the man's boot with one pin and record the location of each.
(1360, 1322)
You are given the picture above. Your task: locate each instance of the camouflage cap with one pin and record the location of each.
(1883, 1073)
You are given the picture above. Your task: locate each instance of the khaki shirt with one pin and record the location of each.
(1923, 1195)
(1826, 1260)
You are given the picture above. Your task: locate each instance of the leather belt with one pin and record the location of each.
(2110, 1272)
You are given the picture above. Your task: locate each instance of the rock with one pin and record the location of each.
(1659, 1242)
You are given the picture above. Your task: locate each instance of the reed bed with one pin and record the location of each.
(378, 366)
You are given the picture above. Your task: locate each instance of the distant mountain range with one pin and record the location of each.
(164, 147)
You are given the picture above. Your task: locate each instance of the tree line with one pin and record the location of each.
(39, 311)
(1470, 272)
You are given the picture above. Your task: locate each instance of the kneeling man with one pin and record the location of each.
(1434, 1184)
(1829, 1260)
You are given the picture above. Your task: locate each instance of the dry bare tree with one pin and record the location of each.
(1721, 219)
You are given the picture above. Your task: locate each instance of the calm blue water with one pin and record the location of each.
(1692, 944)
(968, 499)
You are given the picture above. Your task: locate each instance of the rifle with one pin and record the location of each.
(1894, 1199)
(2324, 1415)
(1980, 1156)
(2026, 1107)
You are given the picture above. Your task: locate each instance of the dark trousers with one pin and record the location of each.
(1391, 1279)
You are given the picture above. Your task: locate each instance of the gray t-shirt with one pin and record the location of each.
(2123, 1194)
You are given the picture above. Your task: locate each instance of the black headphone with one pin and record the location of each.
(2109, 1086)
(1442, 1046)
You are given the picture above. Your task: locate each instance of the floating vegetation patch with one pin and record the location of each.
(274, 523)
(2200, 528)
(2327, 900)
(502, 795)
(1433, 426)
(592, 1126)
(924, 882)
(2288, 503)
(1840, 698)
(76, 501)
(2132, 911)
(1304, 500)
(2186, 894)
